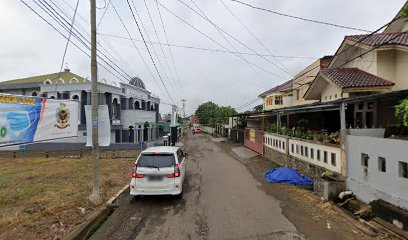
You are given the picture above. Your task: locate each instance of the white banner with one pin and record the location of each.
(25, 120)
(104, 126)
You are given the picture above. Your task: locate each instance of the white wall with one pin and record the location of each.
(130, 117)
(368, 132)
(331, 92)
(376, 184)
(367, 62)
(287, 101)
(386, 66)
(401, 70)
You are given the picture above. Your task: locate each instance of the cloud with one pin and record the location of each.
(29, 46)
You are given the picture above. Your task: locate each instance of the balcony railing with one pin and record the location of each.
(318, 153)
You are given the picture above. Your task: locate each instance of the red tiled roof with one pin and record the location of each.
(286, 86)
(380, 39)
(354, 78)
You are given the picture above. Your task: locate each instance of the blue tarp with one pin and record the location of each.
(288, 176)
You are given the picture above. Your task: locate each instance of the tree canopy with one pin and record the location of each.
(211, 113)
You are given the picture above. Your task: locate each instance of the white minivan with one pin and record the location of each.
(159, 171)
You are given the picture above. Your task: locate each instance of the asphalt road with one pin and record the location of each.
(221, 200)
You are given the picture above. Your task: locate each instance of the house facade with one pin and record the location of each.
(278, 97)
(133, 110)
(340, 112)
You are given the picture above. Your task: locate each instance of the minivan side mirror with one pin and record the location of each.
(185, 155)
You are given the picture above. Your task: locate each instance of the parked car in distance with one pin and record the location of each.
(159, 171)
(197, 130)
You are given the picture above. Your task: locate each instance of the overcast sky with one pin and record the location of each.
(30, 47)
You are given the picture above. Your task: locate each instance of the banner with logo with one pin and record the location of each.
(25, 120)
(104, 126)
(252, 135)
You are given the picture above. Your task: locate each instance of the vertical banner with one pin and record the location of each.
(252, 135)
(104, 126)
(25, 120)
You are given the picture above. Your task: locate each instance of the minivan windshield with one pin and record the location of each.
(156, 160)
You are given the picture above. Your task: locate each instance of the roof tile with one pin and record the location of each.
(376, 40)
(286, 86)
(354, 77)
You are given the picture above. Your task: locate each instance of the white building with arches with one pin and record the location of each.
(133, 110)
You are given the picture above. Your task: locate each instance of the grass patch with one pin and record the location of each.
(41, 198)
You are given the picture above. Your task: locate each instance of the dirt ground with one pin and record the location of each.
(44, 198)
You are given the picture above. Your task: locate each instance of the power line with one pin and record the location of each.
(167, 40)
(137, 49)
(56, 17)
(231, 36)
(211, 39)
(172, 87)
(344, 50)
(209, 49)
(176, 87)
(53, 27)
(300, 18)
(104, 12)
(69, 38)
(65, 24)
(253, 35)
(219, 31)
(151, 57)
(101, 37)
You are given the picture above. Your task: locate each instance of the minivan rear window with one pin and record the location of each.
(156, 160)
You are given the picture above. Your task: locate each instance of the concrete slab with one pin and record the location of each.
(244, 152)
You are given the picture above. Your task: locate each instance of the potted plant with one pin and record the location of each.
(336, 137)
(326, 138)
(272, 128)
(317, 136)
(283, 131)
(309, 135)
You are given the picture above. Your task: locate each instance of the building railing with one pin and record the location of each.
(275, 142)
(317, 153)
(325, 155)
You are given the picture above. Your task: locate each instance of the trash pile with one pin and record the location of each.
(287, 176)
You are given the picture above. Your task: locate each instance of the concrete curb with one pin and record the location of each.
(116, 200)
(82, 231)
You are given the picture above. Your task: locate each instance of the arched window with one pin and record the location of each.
(47, 82)
(115, 108)
(152, 108)
(34, 94)
(74, 80)
(51, 97)
(75, 97)
(61, 81)
(104, 81)
(137, 105)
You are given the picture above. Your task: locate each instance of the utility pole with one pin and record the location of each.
(95, 196)
(184, 107)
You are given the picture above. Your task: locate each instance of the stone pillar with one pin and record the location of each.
(88, 98)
